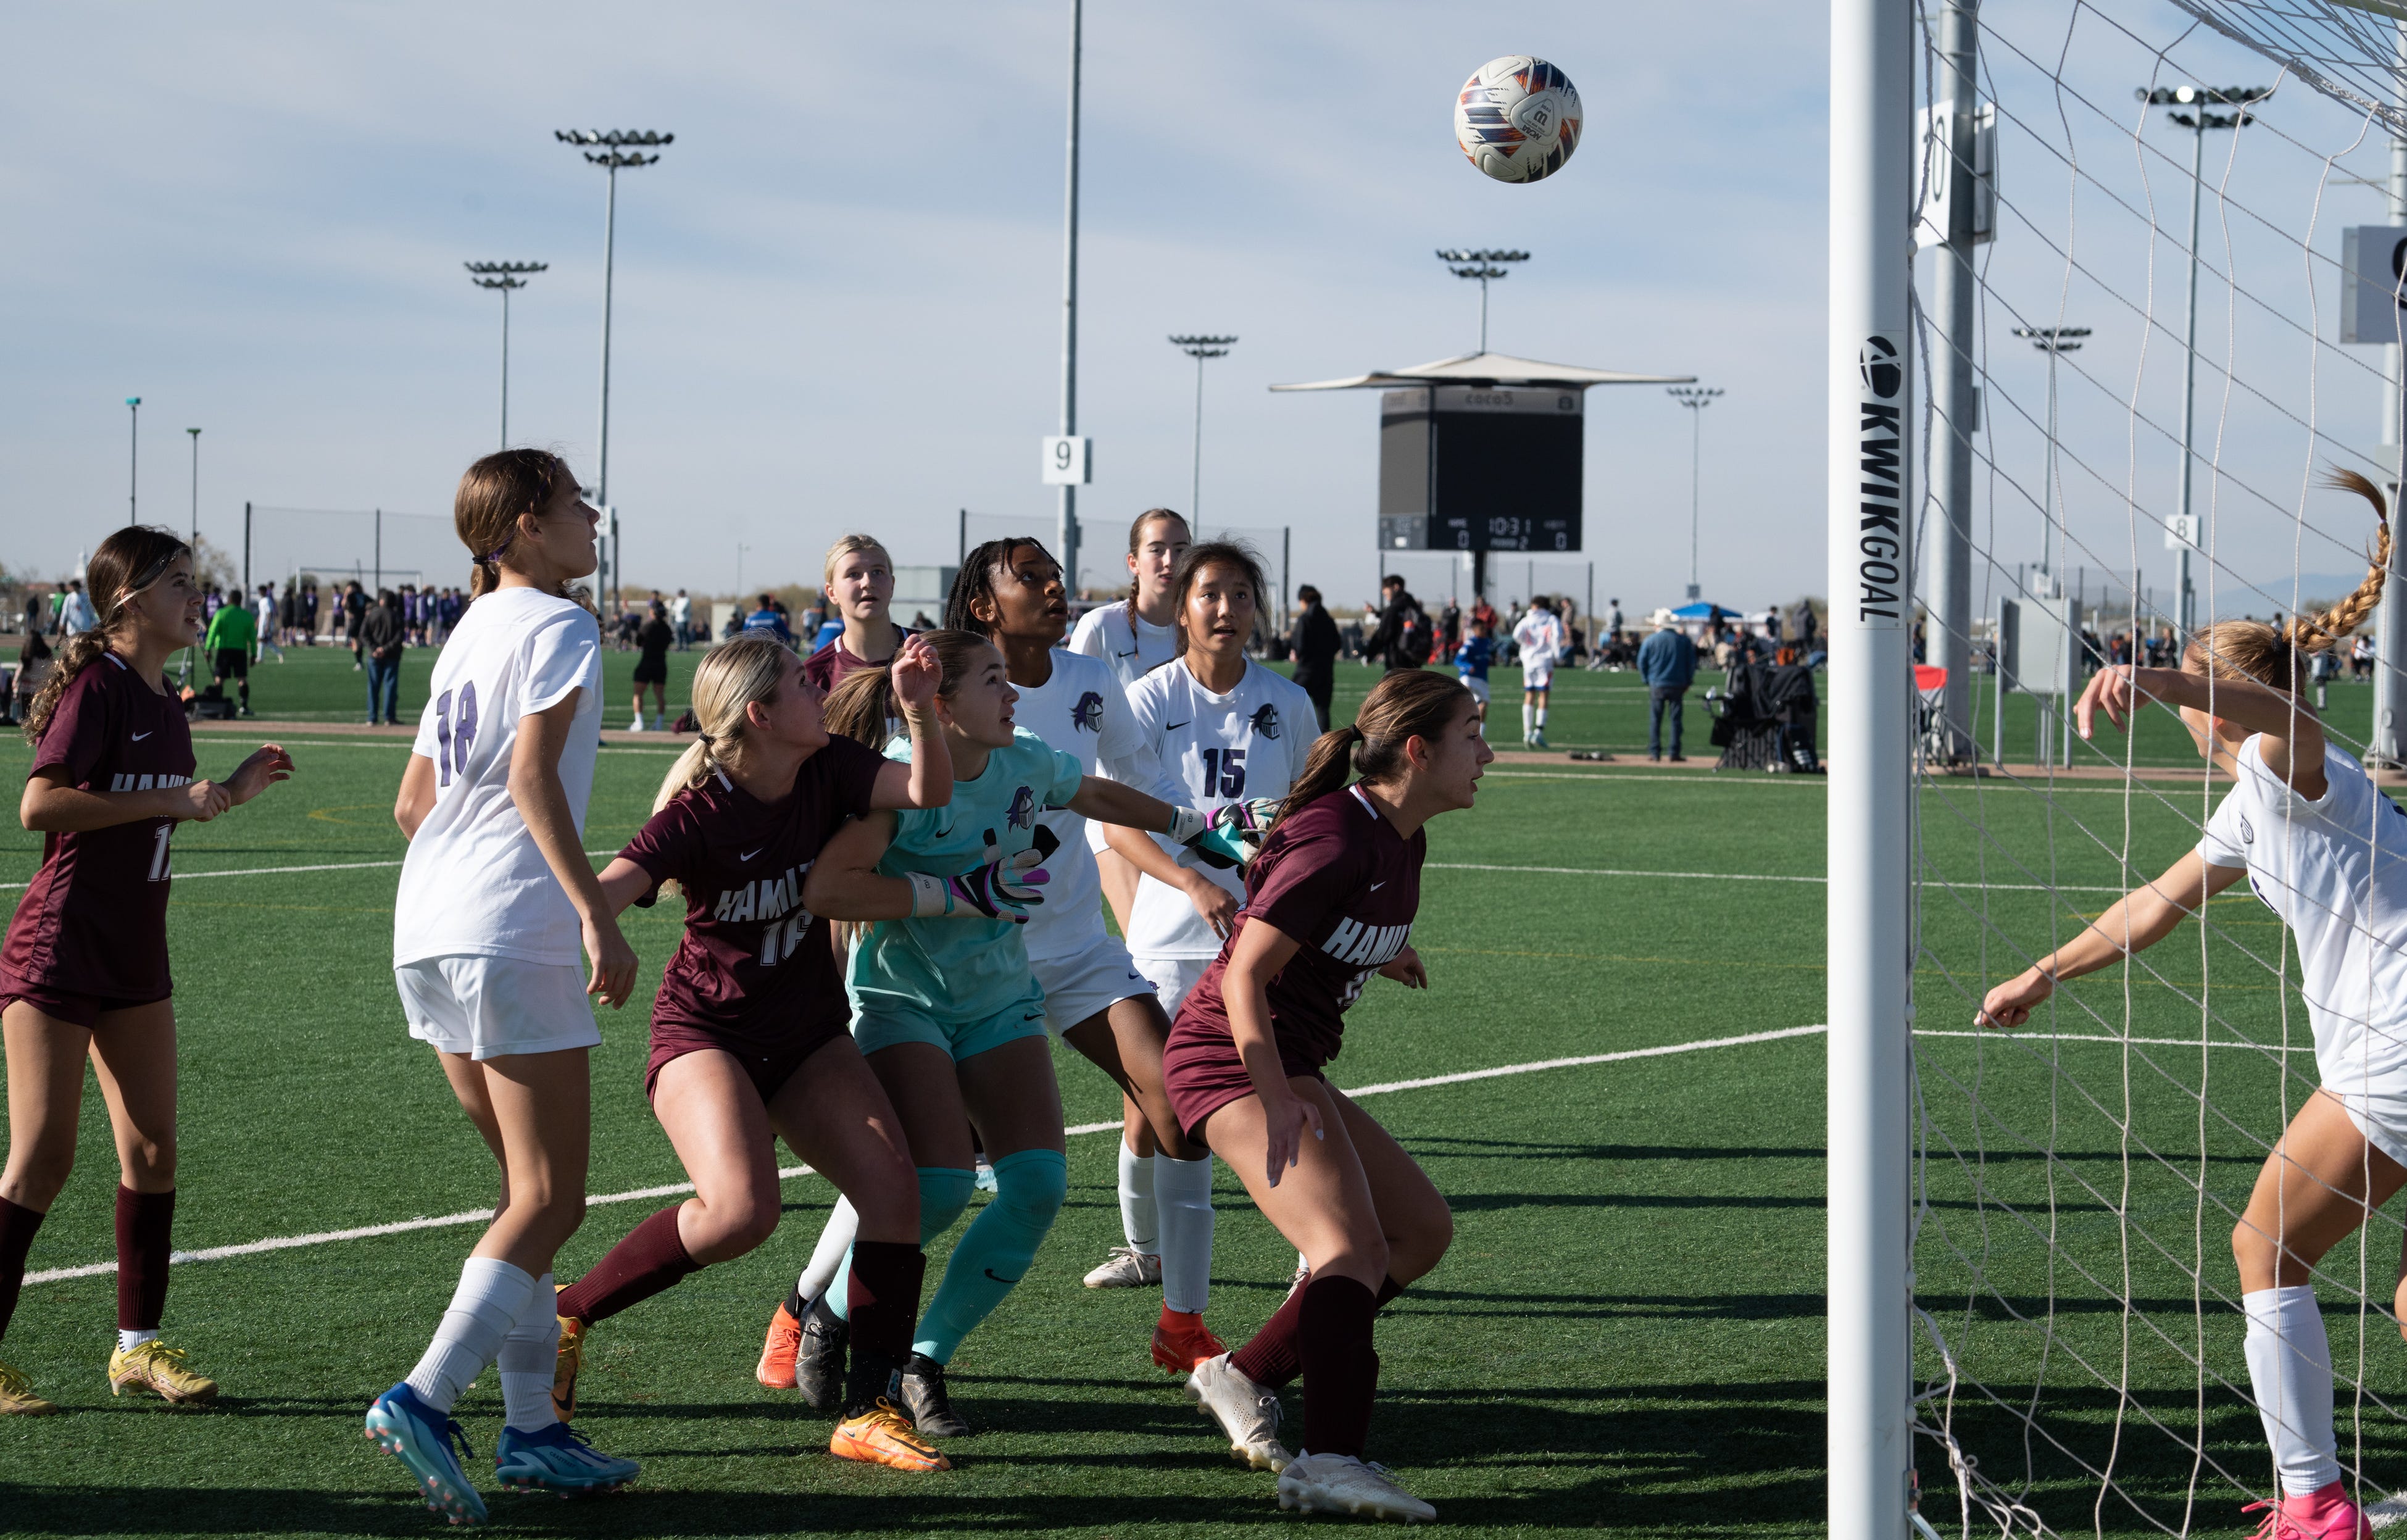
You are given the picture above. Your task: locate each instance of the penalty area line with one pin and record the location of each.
(481, 1215)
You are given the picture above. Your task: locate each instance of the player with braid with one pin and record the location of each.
(2327, 852)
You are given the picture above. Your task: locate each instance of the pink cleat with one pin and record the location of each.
(2328, 1512)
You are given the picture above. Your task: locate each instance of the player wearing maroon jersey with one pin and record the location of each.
(1330, 901)
(749, 1039)
(84, 971)
(860, 590)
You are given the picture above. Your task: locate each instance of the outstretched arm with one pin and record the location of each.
(2139, 919)
(927, 781)
(2293, 744)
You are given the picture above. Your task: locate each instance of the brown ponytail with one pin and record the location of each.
(1411, 703)
(863, 707)
(2252, 650)
(494, 493)
(128, 562)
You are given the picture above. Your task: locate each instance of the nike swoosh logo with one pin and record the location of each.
(991, 1273)
(139, 736)
(1037, 1016)
(1376, 886)
(751, 853)
(1174, 727)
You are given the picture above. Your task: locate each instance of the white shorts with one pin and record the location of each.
(1086, 982)
(488, 1007)
(1174, 978)
(2378, 1108)
(1538, 675)
(1477, 686)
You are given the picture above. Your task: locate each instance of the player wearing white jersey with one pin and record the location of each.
(1133, 637)
(496, 897)
(1539, 634)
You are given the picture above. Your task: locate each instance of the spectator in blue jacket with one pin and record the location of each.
(768, 622)
(1667, 661)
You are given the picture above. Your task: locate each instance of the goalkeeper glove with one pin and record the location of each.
(1002, 889)
(1229, 837)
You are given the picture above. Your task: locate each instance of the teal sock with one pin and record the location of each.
(996, 1251)
(943, 1192)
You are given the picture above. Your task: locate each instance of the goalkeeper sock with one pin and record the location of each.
(2289, 1367)
(994, 1253)
(1140, 1218)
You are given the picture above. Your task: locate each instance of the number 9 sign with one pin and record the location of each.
(1067, 461)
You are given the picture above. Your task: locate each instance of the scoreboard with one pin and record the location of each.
(1478, 467)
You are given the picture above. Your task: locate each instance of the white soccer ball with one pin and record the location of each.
(1517, 119)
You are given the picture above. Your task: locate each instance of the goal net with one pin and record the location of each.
(2075, 1312)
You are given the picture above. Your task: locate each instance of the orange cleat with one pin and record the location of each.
(1181, 1341)
(884, 1436)
(776, 1370)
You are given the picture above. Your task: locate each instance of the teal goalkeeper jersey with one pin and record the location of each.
(961, 969)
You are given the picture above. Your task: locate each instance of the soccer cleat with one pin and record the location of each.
(1127, 1267)
(153, 1368)
(1248, 1414)
(983, 1177)
(1537, 740)
(421, 1438)
(564, 1367)
(556, 1459)
(2328, 1512)
(17, 1397)
(1302, 1276)
(924, 1398)
(882, 1435)
(1339, 1483)
(1181, 1341)
(776, 1370)
(820, 1355)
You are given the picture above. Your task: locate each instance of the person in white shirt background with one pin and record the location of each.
(1539, 636)
(263, 605)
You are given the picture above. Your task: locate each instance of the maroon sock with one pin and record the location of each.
(17, 1227)
(1341, 1368)
(143, 1221)
(1268, 1358)
(649, 1260)
(1389, 1289)
(882, 1301)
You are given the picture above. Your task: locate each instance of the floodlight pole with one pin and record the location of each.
(1199, 348)
(1955, 302)
(133, 462)
(1066, 520)
(1871, 793)
(507, 275)
(615, 155)
(1465, 263)
(1696, 400)
(2054, 341)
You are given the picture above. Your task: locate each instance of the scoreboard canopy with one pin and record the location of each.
(1480, 467)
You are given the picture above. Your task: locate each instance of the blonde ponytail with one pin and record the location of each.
(2252, 650)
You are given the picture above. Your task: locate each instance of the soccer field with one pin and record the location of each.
(1627, 1336)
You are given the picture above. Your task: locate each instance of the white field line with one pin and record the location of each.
(480, 1215)
(279, 870)
(1733, 877)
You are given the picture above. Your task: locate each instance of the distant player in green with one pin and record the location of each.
(233, 631)
(944, 1007)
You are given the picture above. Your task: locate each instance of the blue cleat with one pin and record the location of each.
(556, 1459)
(421, 1438)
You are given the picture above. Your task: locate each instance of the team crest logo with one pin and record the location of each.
(1266, 723)
(1023, 809)
(1088, 715)
(2247, 831)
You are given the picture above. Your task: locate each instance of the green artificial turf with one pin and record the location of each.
(1627, 1337)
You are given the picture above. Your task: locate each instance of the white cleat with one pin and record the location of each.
(1248, 1414)
(1127, 1268)
(1339, 1483)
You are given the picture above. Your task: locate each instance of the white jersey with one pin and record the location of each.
(1214, 749)
(1129, 643)
(2335, 870)
(474, 881)
(1082, 712)
(1540, 637)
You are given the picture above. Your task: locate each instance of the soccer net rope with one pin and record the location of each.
(2078, 1333)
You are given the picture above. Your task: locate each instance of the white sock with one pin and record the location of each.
(842, 1223)
(1139, 1214)
(1185, 1189)
(491, 1296)
(1541, 719)
(127, 1341)
(1527, 712)
(528, 1355)
(2289, 1366)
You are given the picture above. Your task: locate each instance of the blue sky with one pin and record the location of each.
(837, 295)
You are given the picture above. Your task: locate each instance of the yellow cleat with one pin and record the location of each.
(153, 1368)
(564, 1367)
(17, 1397)
(884, 1436)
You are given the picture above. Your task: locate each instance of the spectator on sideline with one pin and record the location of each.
(379, 636)
(263, 613)
(769, 621)
(76, 615)
(1402, 640)
(1313, 643)
(233, 631)
(309, 605)
(1667, 661)
(681, 617)
(653, 639)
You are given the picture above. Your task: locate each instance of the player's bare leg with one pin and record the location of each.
(46, 1060)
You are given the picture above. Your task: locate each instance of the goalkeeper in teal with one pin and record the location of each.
(944, 1007)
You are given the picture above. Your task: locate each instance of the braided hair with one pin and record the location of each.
(973, 585)
(2277, 657)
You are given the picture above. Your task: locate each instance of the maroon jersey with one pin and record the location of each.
(95, 918)
(827, 667)
(754, 966)
(1337, 877)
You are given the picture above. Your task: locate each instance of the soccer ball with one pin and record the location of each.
(1517, 119)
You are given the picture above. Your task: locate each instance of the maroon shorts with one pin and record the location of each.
(83, 1010)
(1203, 1073)
(769, 1068)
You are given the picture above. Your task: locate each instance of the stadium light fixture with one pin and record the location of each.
(1199, 348)
(133, 462)
(1465, 263)
(1696, 398)
(621, 150)
(2054, 341)
(503, 275)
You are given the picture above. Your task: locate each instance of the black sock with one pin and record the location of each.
(795, 1304)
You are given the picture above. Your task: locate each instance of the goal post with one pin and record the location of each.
(1871, 764)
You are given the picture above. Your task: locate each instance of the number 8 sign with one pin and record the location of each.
(1067, 461)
